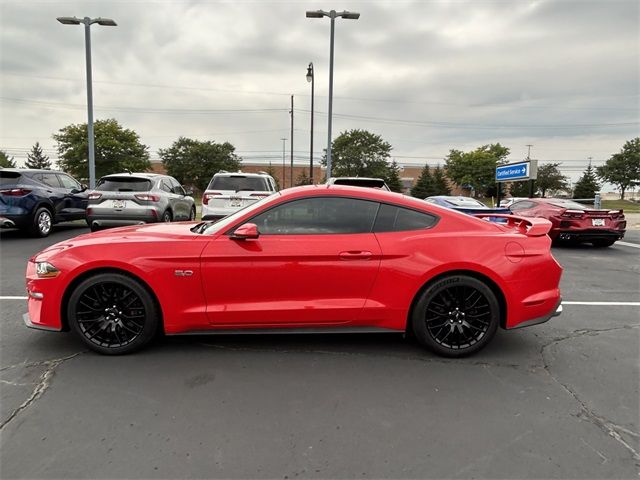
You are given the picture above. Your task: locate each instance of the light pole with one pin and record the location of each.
(87, 22)
(332, 15)
(311, 79)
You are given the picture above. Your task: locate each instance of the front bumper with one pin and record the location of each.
(29, 323)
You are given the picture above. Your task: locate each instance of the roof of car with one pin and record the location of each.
(134, 174)
(30, 170)
(244, 174)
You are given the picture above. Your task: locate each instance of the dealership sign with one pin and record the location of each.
(517, 171)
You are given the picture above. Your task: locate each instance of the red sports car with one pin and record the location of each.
(308, 259)
(574, 222)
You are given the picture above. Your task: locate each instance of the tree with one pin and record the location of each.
(6, 161)
(520, 189)
(194, 162)
(440, 183)
(424, 186)
(476, 169)
(37, 159)
(117, 149)
(587, 185)
(359, 153)
(272, 171)
(303, 178)
(550, 179)
(392, 178)
(623, 168)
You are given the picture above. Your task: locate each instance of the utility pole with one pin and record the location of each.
(284, 174)
(530, 181)
(291, 172)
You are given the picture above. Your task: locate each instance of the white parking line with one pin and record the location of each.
(627, 244)
(13, 298)
(621, 304)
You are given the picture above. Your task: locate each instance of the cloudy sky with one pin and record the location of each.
(428, 76)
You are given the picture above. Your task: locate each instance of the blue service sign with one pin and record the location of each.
(514, 171)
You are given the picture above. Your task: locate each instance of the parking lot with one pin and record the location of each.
(558, 400)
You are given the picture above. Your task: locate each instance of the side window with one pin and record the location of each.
(176, 187)
(164, 187)
(318, 216)
(49, 179)
(68, 182)
(398, 219)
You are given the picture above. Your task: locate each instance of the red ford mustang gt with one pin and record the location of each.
(574, 222)
(308, 259)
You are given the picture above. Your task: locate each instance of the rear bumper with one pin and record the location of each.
(545, 318)
(212, 217)
(137, 218)
(7, 223)
(589, 235)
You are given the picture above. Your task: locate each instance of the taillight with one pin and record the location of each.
(259, 195)
(208, 196)
(15, 192)
(147, 197)
(94, 196)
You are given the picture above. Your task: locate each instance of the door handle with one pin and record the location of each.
(355, 255)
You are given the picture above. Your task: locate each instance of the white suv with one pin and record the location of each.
(229, 192)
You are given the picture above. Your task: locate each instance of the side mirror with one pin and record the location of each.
(84, 187)
(246, 232)
(189, 193)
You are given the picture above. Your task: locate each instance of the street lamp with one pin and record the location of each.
(332, 15)
(310, 79)
(87, 22)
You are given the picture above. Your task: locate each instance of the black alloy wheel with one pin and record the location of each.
(456, 316)
(112, 313)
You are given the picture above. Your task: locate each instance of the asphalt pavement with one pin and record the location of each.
(558, 400)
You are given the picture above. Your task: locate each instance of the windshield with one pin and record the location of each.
(465, 202)
(559, 202)
(238, 183)
(228, 220)
(9, 178)
(123, 184)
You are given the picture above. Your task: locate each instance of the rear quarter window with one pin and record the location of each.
(392, 218)
(124, 184)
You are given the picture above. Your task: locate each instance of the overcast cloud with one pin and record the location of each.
(428, 76)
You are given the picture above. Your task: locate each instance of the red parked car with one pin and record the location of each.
(308, 259)
(574, 222)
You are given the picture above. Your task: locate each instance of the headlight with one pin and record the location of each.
(46, 270)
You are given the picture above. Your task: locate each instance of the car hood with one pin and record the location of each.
(151, 233)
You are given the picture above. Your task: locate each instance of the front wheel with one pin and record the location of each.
(112, 313)
(456, 316)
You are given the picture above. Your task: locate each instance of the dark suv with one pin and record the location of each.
(34, 200)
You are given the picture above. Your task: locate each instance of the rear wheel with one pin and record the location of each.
(112, 313)
(192, 215)
(166, 216)
(603, 243)
(456, 316)
(42, 223)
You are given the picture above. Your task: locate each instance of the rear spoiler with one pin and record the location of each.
(531, 227)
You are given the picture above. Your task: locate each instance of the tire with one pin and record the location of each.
(603, 243)
(192, 215)
(41, 223)
(112, 314)
(456, 316)
(166, 216)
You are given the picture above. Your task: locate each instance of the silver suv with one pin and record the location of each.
(135, 198)
(229, 192)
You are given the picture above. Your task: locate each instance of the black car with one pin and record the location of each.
(34, 200)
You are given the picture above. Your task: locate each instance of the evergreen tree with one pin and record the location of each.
(37, 159)
(303, 178)
(424, 187)
(393, 178)
(272, 171)
(440, 184)
(6, 161)
(588, 185)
